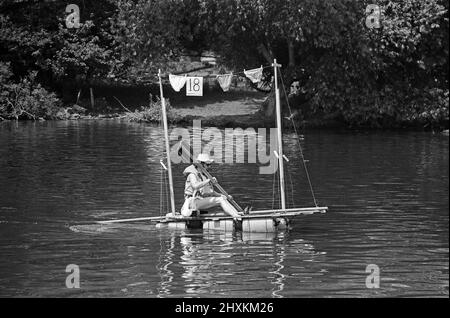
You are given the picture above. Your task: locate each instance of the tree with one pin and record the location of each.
(34, 36)
(348, 72)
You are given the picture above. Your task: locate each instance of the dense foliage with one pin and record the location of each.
(26, 98)
(350, 71)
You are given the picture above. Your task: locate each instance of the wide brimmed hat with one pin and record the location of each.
(204, 157)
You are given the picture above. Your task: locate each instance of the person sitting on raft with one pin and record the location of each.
(199, 187)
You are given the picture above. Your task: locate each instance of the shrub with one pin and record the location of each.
(434, 107)
(152, 112)
(25, 99)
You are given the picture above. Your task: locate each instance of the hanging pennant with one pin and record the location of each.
(194, 86)
(254, 75)
(177, 81)
(225, 81)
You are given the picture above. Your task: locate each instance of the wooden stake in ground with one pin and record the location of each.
(78, 96)
(92, 98)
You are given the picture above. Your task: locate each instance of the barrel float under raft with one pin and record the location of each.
(264, 225)
(219, 225)
(181, 225)
(248, 225)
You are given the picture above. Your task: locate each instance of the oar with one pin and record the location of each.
(154, 218)
(209, 176)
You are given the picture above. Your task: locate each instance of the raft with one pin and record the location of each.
(263, 221)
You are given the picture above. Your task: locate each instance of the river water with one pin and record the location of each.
(387, 195)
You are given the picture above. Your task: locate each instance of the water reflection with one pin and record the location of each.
(279, 277)
(166, 256)
(196, 264)
(214, 264)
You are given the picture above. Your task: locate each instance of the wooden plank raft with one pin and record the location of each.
(261, 214)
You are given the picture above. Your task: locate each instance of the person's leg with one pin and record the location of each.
(209, 202)
(228, 207)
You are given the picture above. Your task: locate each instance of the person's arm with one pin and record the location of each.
(196, 185)
(215, 193)
(213, 181)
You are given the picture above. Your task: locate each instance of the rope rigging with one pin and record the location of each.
(273, 190)
(163, 183)
(163, 192)
(292, 186)
(291, 118)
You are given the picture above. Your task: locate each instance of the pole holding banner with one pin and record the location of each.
(166, 138)
(279, 135)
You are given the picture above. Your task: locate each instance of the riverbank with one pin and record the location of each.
(249, 117)
(222, 111)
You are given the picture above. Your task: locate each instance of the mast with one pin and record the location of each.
(279, 135)
(166, 138)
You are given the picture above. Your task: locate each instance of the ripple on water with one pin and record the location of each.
(387, 194)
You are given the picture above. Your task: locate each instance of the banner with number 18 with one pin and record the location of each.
(194, 86)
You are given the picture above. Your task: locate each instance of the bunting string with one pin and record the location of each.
(224, 79)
